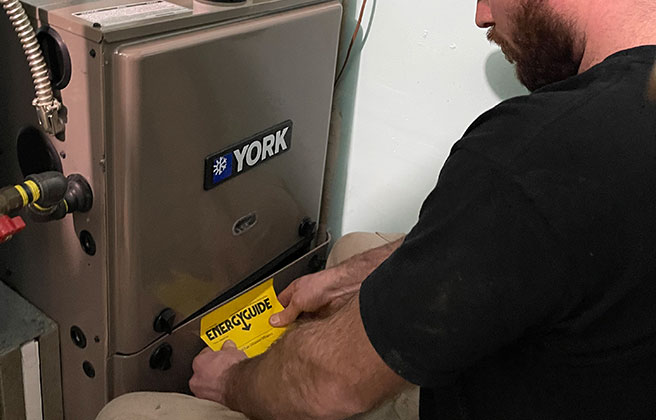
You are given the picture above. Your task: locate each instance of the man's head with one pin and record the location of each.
(543, 43)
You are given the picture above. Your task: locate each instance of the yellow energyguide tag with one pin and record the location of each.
(245, 321)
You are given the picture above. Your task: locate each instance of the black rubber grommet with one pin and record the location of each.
(161, 357)
(78, 337)
(88, 369)
(56, 55)
(87, 242)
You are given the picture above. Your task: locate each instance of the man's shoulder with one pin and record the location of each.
(586, 109)
(512, 127)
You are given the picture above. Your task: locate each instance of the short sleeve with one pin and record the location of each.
(480, 269)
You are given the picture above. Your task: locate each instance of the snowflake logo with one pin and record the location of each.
(220, 165)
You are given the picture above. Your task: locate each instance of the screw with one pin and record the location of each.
(307, 228)
(164, 321)
(92, 53)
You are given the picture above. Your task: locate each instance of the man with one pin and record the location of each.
(527, 289)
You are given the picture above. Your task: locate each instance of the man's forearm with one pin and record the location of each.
(315, 371)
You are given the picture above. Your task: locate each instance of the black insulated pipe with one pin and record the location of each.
(49, 196)
(61, 196)
(52, 185)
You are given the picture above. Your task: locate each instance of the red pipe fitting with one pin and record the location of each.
(9, 227)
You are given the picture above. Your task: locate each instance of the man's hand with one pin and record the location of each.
(210, 378)
(320, 293)
(323, 293)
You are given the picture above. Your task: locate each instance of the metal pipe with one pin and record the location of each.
(10, 200)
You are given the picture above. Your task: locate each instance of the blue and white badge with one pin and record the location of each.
(247, 154)
(222, 168)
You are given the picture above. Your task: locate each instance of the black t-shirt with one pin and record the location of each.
(527, 289)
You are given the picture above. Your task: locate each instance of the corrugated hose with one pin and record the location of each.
(47, 106)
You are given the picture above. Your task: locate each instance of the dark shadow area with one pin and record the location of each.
(16, 95)
(501, 77)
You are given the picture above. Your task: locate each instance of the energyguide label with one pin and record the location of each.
(245, 321)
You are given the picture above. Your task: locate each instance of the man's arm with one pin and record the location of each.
(323, 369)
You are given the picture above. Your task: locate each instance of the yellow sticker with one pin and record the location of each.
(244, 320)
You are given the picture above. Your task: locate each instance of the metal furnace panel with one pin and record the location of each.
(176, 100)
(134, 372)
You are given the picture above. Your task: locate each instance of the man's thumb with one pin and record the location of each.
(229, 344)
(285, 317)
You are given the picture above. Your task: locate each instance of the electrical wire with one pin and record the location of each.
(355, 34)
(37, 64)
(47, 106)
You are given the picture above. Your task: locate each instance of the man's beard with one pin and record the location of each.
(543, 45)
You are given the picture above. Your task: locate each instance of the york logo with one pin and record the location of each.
(247, 154)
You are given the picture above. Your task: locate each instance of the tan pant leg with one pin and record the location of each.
(404, 406)
(172, 406)
(165, 406)
(356, 243)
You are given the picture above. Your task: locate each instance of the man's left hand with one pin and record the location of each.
(210, 378)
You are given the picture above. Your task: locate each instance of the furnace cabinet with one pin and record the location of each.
(202, 130)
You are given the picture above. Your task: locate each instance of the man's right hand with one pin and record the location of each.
(323, 293)
(320, 293)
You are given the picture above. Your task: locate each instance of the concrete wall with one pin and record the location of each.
(417, 77)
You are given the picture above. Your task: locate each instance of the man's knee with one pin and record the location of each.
(135, 406)
(356, 243)
(165, 406)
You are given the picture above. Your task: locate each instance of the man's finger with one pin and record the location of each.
(285, 297)
(229, 344)
(285, 317)
(192, 384)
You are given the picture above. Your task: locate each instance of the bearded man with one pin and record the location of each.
(527, 289)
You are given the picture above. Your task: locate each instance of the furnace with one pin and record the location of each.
(201, 129)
